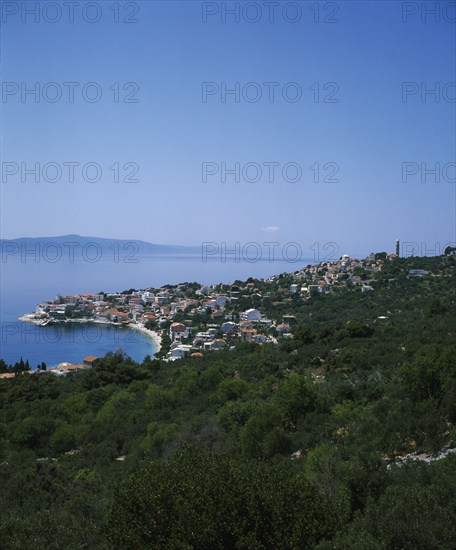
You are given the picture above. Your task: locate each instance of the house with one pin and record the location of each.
(248, 334)
(283, 328)
(116, 316)
(148, 297)
(221, 301)
(179, 351)
(229, 326)
(251, 315)
(203, 290)
(218, 343)
(75, 368)
(177, 331)
(57, 312)
(198, 342)
(58, 371)
(149, 317)
(62, 369)
(89, 361)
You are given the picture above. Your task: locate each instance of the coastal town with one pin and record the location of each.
(190, 319)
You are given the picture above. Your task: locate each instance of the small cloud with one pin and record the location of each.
(270, 228)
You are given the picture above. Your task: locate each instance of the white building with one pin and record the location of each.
(148, 296)
(251, 315)
(221, 301)
(180, 351)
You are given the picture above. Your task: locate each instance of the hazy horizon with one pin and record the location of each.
(183, 124)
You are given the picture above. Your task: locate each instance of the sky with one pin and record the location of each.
(338, 146)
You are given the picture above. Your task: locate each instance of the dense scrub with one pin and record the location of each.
(262, 447)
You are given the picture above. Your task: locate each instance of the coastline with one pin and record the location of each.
(152, 334)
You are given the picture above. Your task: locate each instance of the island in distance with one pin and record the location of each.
(72, 247)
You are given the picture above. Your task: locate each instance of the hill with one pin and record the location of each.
(332, 439)
(78, 243)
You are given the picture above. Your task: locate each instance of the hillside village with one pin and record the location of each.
(192, 319)
(361, 382)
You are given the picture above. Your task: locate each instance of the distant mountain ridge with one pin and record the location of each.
(79, 242)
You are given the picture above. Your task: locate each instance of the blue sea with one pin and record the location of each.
(26, 283)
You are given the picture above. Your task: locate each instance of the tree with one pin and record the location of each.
(356, 329)
(295, 396)
(151, 324)
(203, 500)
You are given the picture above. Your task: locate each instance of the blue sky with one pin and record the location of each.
(170, 132)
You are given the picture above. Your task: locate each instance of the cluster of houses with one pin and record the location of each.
(62, 369)
(322, 277)
(160, 307)
(65, 368)
(178, 310)
(249, 328)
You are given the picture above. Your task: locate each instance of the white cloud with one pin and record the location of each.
(270, 228)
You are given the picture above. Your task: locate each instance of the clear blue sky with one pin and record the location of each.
(170, 131)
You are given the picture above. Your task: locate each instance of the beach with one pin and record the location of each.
(156, 336)
(49, 335)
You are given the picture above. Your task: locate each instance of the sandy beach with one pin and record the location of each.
(156, 336)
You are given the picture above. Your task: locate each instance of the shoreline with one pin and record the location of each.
(152, 334)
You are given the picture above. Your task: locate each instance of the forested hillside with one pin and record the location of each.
(292, 445)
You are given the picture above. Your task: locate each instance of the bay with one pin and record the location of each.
(24, 284)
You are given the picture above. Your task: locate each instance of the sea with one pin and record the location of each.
(23, 284)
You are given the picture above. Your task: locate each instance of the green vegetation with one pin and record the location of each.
(261, 447)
